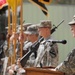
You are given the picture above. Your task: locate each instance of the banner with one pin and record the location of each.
(13, 2)
(41, 6)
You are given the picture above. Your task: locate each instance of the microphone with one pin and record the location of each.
(58, 41)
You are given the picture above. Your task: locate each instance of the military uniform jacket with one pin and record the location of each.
(68, 66)
(30, 61)
(47, 54)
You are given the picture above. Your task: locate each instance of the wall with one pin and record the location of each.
(32, 14)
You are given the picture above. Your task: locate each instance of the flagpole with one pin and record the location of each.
(12, 32)
(15, 23)
(8, 40)
(21, 20)
(8, 19)
(13, 4)
(14, 18)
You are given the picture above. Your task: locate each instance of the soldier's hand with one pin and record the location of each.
(13, 36)
(8, 36)
(21, 37)
(18, 63)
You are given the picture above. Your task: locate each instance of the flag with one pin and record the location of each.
(3, 6)
(3, 3)
(12, 3)
(45, 1)
(40, 5)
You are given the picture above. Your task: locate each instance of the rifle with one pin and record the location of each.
(52, 31)
(34, 48)
(31, 49)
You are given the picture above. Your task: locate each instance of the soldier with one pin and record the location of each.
(2, 55)
(32, 36)
(23, 36)
(10, 36)
(68, 66)
(46, 55)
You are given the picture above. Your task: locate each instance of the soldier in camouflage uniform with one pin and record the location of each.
(32, 34)
(47, 55)
(68, 66)
(10, 36)
(2, 55)
(22, 37)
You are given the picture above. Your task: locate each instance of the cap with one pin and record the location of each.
(11, 26)
(19, 28)
(26, 25)
(31, 30)
(45, 23)
(73, 21)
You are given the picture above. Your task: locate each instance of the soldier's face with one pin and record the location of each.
(32, 37)
(73, 30)
(44, 31)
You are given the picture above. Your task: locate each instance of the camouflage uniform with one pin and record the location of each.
(1, 56)
(51, 56)
(47, 55)
(68, 66)
(8, 51)
(27, 44)
(30, 31)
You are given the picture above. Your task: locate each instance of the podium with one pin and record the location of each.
(42, 71)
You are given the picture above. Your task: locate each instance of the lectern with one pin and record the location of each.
(42, 71)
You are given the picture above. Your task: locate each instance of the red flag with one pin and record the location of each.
(41, 5)
(3, 3)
